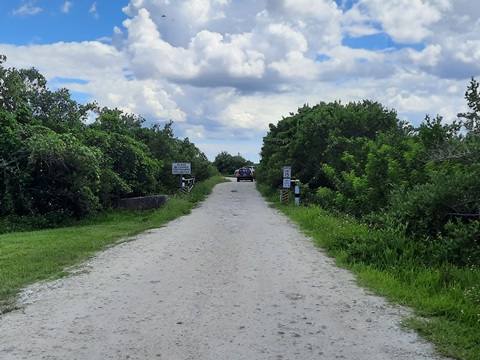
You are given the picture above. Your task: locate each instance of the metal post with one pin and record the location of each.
(297, 194)
(183, 188)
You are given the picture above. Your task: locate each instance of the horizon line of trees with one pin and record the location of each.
(360, 159)
(227, 163)
(54, 166)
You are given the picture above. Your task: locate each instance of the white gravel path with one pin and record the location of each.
(233, 280)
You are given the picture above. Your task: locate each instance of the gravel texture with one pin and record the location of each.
(233, 280)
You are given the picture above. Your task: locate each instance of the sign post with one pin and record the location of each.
(287, 184)
(297, 193)
(287, 174)
(181, 169)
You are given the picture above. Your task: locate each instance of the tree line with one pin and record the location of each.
(227, 164)
(54, 166)
(421, 183)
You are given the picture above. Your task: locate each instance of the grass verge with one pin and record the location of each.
(445, 299)
(28, 257)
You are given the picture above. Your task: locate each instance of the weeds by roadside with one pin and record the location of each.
(445, 299)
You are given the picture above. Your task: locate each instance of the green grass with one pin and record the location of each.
(445, 299)
(28, 257)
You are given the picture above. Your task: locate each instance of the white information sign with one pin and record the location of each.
(286, 183)
(181, 168)
(287, 172)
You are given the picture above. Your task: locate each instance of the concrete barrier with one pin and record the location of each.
(144, 202)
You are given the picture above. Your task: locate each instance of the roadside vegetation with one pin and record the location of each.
(62, 161)
(398, 205)
(28, 257)
(445, 299)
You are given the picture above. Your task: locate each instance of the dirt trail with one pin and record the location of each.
(233, 280)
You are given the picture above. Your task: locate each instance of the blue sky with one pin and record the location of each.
(222, 70)
(49, 21)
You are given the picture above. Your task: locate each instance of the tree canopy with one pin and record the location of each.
(227, 164)
(54, 165)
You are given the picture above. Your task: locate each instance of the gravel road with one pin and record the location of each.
(233, 280)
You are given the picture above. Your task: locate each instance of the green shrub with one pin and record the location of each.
(464, 242)
(325, 198)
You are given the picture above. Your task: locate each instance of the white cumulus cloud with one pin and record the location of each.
(223, 69)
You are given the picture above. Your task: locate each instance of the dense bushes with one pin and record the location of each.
(54, 166)
(420, 185)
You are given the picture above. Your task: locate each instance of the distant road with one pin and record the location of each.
(233, 280)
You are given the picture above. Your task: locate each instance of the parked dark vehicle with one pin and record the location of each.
(244, 174)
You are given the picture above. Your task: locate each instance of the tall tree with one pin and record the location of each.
(472, 118)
